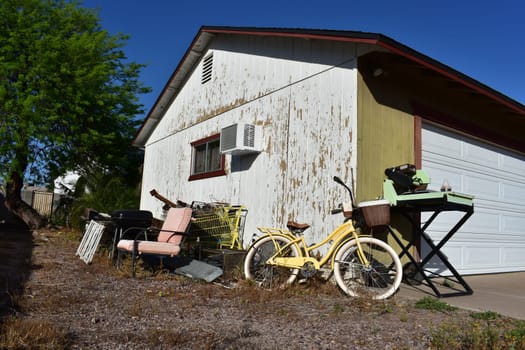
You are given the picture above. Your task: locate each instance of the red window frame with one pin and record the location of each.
(206, 174)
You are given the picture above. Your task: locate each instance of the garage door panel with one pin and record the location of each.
(454, 179)
(483, 258)
(513, 166)
(483, 221)
(493, 239)
(513, 193)
(469, 239)
(452, 252)
(479, 256)
(512, 256)
(479, 155)
(441, 143)
(483, 187)
(514, 224)
(442, 223)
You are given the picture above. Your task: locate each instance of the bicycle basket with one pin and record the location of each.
(376, 213)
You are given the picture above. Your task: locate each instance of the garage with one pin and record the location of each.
(493, 239)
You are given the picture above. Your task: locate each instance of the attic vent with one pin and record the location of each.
(207, 66)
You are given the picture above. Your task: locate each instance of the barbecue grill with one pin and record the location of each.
(125, 220)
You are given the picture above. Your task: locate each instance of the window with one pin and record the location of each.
(207, 160)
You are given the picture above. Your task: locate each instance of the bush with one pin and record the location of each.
(104, 194)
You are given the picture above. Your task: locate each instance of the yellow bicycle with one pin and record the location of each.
(363, 266)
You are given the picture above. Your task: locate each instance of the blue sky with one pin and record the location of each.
(482, 39)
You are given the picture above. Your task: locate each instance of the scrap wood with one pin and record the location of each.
(166, 201)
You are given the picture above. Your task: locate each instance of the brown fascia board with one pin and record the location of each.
(333, 35)
(169, 91)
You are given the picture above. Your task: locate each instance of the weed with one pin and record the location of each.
(338, 308)
(516, 335)
(71, 235)
(173, 298)
(448, 283)
(136, 309)
(110, 301)
(495, 333)
(486, 315)
(20, 333)
(251, 283)
(429, 303)
(236, 273)
(446, 337)
(387, 308)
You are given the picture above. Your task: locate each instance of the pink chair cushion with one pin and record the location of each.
(150, 247)
(177, 221)
(168, 242)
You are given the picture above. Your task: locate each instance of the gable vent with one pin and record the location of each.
(207, 65)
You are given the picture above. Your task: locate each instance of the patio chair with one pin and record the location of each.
(169, 238)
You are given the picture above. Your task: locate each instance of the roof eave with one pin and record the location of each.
(206, 33)
(172, 87)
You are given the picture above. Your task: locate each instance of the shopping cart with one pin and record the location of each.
(218, 225)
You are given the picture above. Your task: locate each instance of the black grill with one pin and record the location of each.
(124, 219)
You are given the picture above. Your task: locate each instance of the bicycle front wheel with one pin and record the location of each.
(265, 275)
(377, 279)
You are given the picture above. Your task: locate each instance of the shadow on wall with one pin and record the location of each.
(242, 162)
(16, 247)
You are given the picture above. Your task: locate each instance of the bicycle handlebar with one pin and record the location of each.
(337, 211)
(340, 182)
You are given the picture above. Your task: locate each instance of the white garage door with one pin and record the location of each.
(493, 239)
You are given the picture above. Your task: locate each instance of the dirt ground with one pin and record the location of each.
(73, 305)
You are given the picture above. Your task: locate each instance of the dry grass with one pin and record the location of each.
(479, 335)
(68, 304)
(22, 333)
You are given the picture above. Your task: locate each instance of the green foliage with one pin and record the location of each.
(517, 334)
(429, 303)
(105, 193)
(486, 315)
(68, 95)
(491, 333)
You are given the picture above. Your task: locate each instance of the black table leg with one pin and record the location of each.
(435, 250)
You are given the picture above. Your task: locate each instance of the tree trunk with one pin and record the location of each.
(15, 204)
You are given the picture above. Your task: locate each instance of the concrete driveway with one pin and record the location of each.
(503, 293)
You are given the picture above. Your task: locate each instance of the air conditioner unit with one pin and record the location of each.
(241, 138)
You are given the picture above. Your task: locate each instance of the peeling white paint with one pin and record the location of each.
(302, 93)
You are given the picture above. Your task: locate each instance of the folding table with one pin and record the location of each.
(410, 204)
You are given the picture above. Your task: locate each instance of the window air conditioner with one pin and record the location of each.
(240, 138)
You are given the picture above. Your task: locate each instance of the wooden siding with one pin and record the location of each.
(385, 138)
(303, 95)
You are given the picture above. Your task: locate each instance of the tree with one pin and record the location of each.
(68, 96)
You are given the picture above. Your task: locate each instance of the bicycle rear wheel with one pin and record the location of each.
(265, 275)
(379, 279)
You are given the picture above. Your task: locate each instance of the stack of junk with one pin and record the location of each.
(211, 247)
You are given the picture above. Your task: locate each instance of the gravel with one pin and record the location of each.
(98, 306)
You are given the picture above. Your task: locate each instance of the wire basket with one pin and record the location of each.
(219, 225)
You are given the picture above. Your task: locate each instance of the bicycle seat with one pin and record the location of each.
(294, 226)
